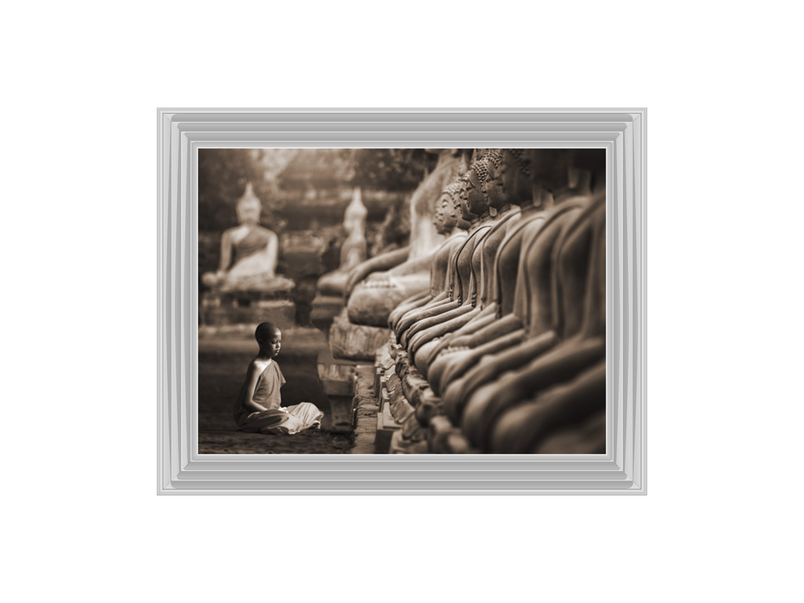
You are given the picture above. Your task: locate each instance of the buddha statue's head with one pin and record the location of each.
(249, 207)
(438, 213)
(354, 218)
(490, 171)
(505, 177)
(449, 207)
(473, 202)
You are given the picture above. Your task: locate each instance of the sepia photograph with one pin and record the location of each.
(401, 301)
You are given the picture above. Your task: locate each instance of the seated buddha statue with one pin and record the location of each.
(353, 250)
(454, 353)
(406, 272)
(566, 406)
(577, 342)
(448, 222)
(249, 253)
(548, 170)
(507, 186)
(465, 273)
(528, 330)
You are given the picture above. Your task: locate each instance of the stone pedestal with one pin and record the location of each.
(366, 410)
(355, 342)
(325, 309)
(386, 425)
(339, 381)
(222, 308)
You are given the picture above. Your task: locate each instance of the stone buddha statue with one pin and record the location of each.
(530, 329)
(561, 390)
(377, 286)
(465, 274)
(448, 222)
(454, 355)
(249, 253)
(574, 343)
(353, 250)
(507, 186)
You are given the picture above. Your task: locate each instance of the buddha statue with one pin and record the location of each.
(577, 367)
(377, 286)
(249, 253)
(530, 328)
(353, 250)
(545, 169)
(465, 274)
(506, 184)
(448, 222)
(574, 344)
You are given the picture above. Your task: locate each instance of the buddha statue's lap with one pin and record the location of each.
(455, 305)
(526, 427)
(372, 300)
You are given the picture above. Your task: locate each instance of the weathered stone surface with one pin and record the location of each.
(400, 409)
(325, 308)
(355, 342)
(401, 445)
(365, 411)
(429, 406)
(338, 379)
(386, 426)
(412, 429)
(439, 431)
(383, 357)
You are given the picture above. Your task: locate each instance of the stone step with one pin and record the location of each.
(386, 426)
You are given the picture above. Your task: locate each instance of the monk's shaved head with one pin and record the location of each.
(265, 331)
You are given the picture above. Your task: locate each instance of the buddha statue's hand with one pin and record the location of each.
(384, 261)
(378, 280)
(454, 349)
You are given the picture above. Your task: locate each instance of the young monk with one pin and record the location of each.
(257, 407)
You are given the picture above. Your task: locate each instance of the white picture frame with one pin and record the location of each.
(181, 470)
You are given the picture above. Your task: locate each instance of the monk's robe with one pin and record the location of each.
(277, 420)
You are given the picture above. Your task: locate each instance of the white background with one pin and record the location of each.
(82, 81)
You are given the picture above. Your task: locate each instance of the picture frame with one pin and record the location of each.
(181, 470)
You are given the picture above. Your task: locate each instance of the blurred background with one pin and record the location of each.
(304, 194)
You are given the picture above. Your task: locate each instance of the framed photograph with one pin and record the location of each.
(401, 301)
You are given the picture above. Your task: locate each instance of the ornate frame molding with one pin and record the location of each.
(181, 470)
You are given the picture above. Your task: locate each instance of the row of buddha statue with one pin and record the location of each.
(500, 324)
